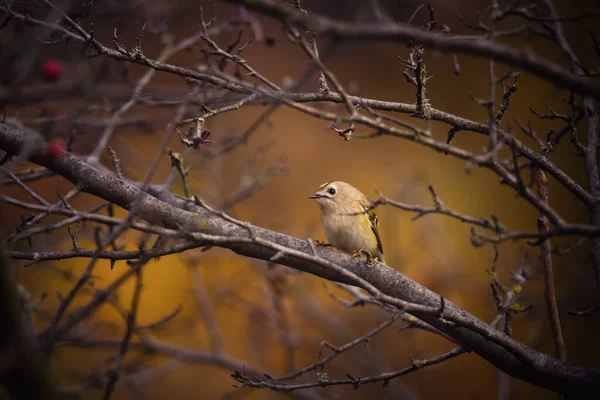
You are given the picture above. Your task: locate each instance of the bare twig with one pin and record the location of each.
(114, 370)
(546, 258)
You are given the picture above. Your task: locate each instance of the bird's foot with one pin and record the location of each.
(366, 253)
(322, 244)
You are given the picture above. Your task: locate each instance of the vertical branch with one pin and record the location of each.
(504, 380)
(591, 160)
(546, 258)
(277, 280)
(591, 153)
(113, 371)
(24, 372)
(177, 163)
(323, 87)
(208, 313)
(490, 106)
(421, 79)
(284, 329)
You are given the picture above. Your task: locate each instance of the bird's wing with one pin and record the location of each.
(373, 223)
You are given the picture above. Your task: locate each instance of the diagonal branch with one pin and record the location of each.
(355, 382)
(293, 99)
(389, 285)
(476, 45)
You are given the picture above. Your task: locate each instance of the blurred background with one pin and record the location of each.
(271, 317)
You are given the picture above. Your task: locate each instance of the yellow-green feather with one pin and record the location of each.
(373, 223)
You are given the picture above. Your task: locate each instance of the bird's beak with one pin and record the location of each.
(316, 196)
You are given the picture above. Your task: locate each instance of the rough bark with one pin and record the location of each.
(512, 357)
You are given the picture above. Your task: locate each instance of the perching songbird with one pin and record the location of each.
(349, 222)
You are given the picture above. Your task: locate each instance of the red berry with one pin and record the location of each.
(56, 148)
(53, 70)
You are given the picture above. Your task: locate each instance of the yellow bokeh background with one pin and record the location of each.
(433, 250)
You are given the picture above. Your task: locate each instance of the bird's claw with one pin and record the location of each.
(322, 244)
(366, 253)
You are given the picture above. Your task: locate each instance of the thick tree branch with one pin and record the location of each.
(292, 99)
(507, 354)
(24, 372)
(476, 45)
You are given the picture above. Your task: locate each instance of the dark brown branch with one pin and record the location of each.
(385, 283)
(208, 312)
(114, 370)
(105, 254)
(24, 372)
(592, 112)
(232, 85)
(527, 61)
(337, 351)
(245, 381)
(546, 259)
(493, 224)
(151, 344)
(420, 211)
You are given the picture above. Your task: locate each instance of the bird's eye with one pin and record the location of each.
(331, 191)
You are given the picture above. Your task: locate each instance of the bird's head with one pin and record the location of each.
(337, 197)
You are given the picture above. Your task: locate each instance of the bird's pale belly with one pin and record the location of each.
(349, 233)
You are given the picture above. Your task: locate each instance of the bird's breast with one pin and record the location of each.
(349, 233)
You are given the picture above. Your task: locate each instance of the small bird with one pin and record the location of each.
(349, 222)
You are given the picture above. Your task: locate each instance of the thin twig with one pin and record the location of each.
(546, 258)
